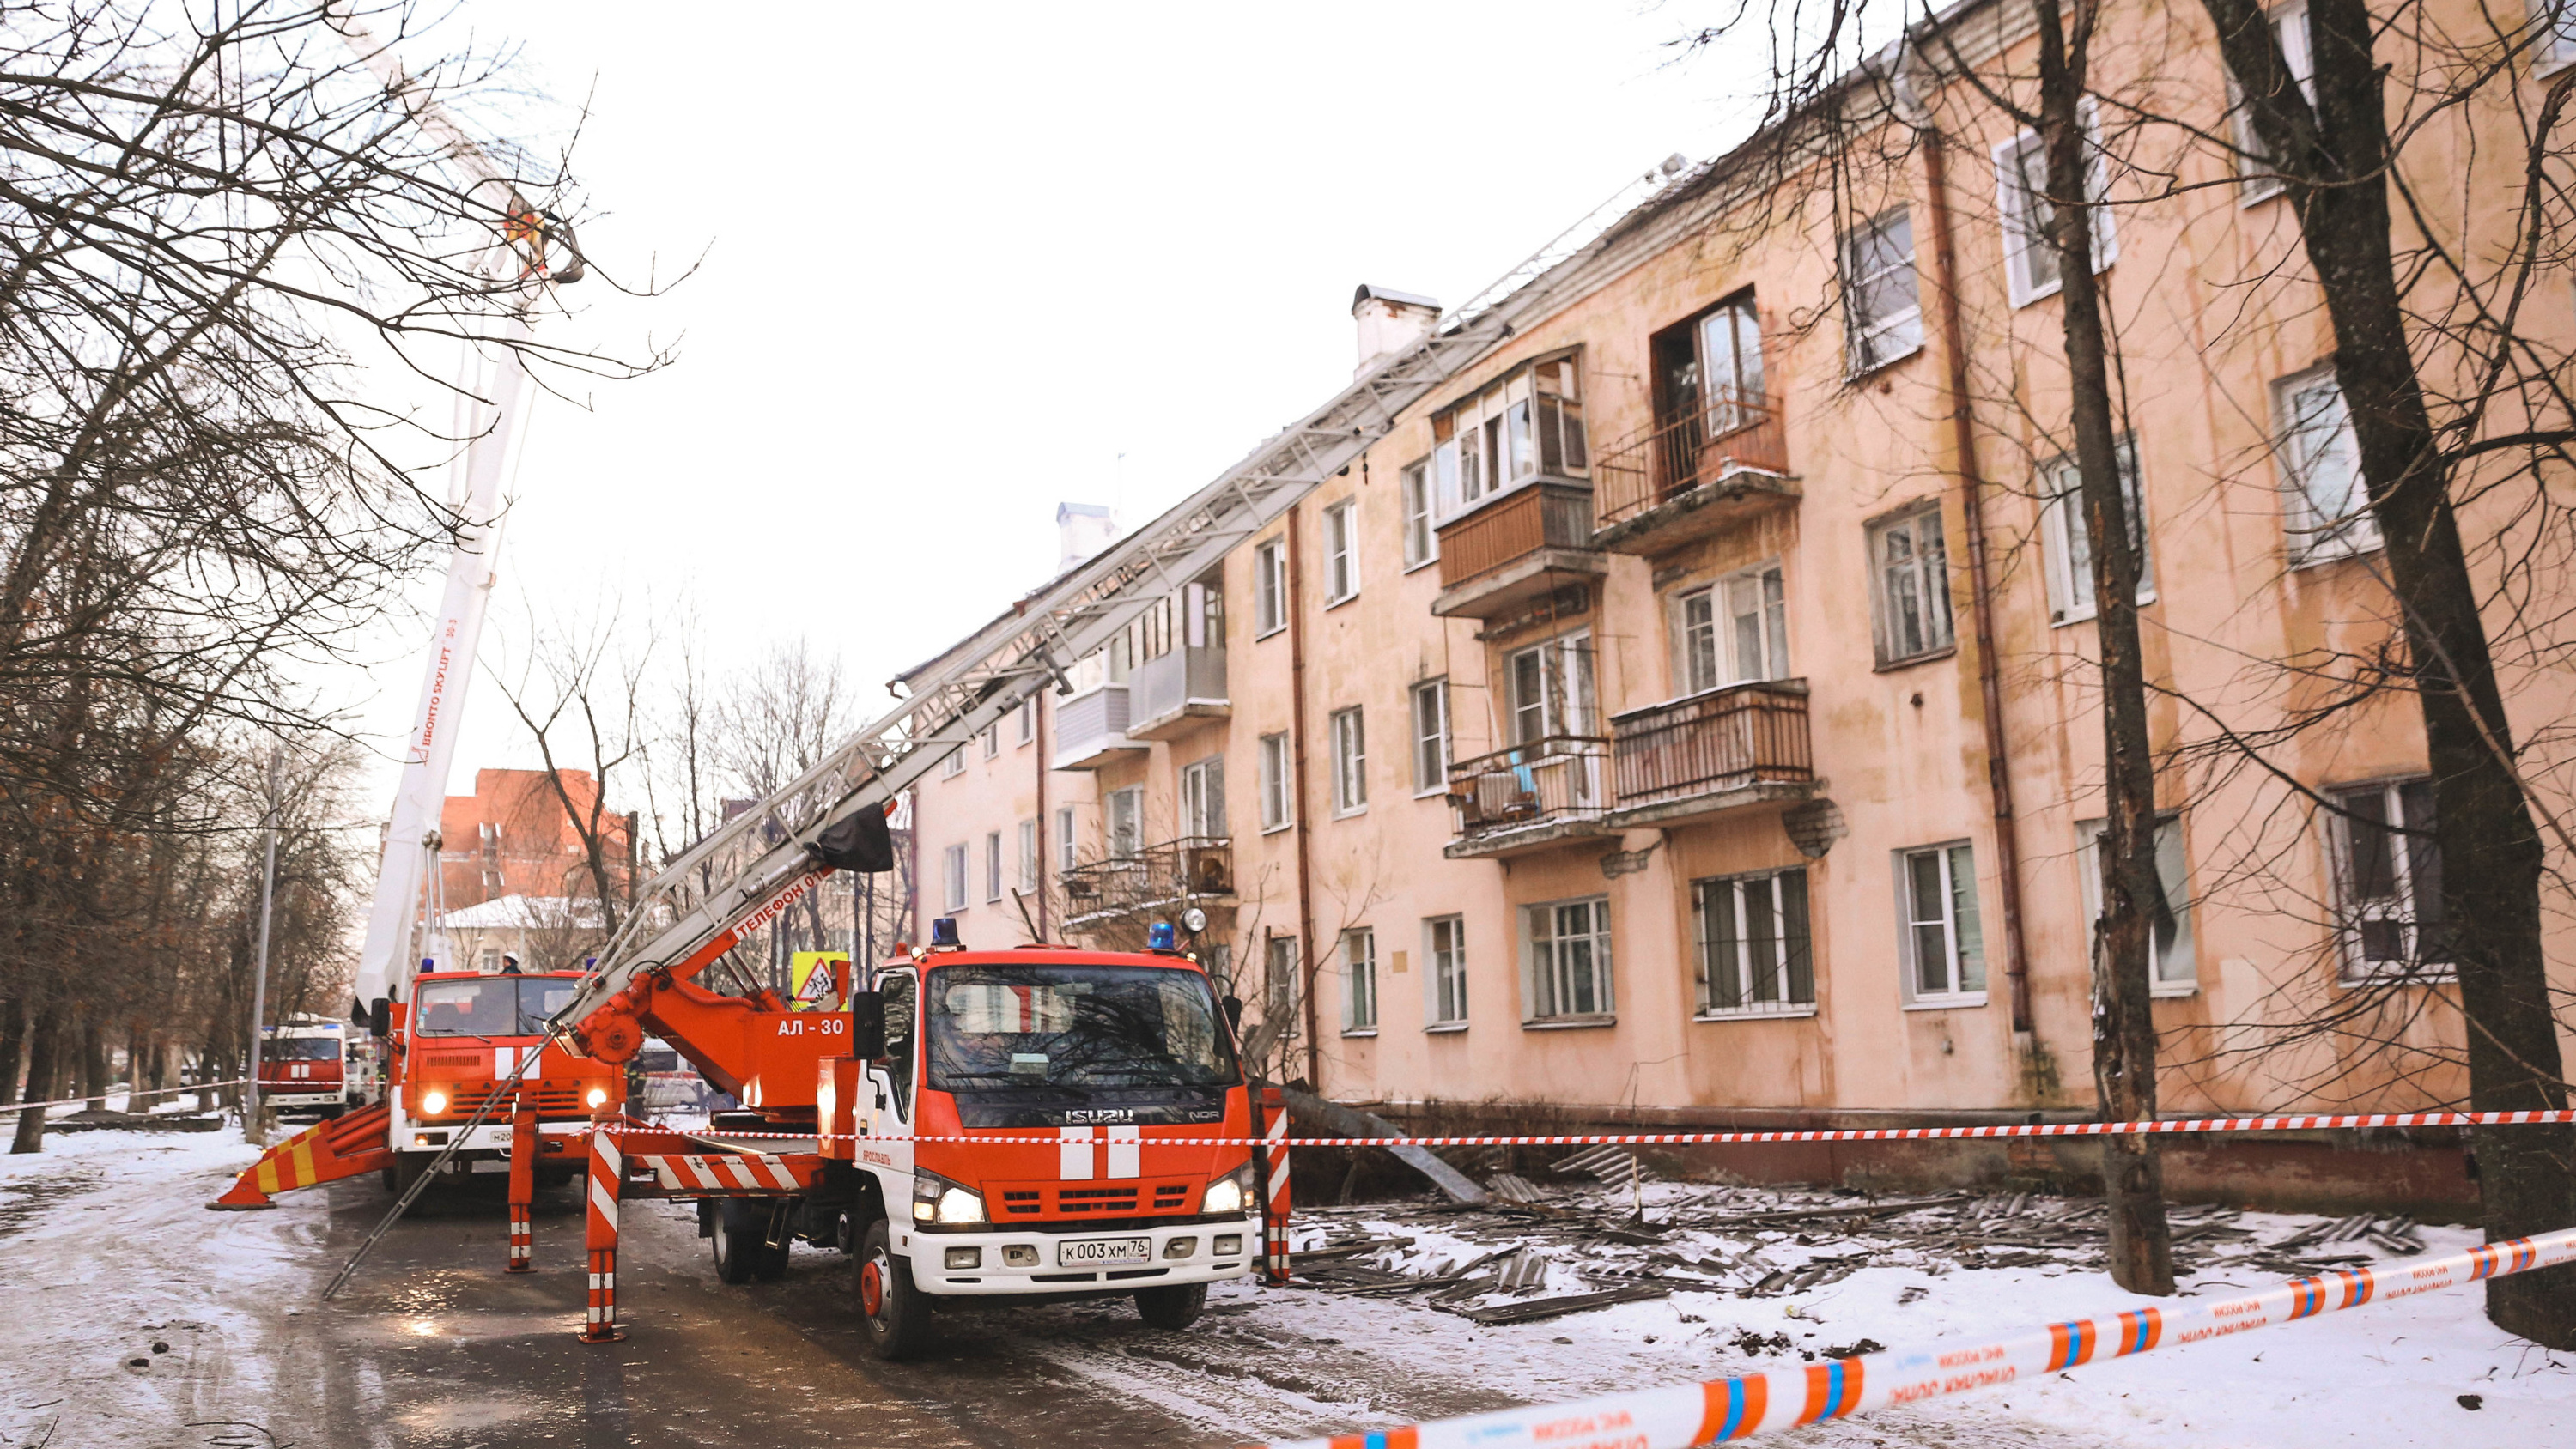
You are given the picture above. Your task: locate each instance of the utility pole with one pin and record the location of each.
(252, 1131)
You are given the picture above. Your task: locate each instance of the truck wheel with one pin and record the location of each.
(736, 1239)
(1173, 1306)
(896, 1313)
(407, 1169)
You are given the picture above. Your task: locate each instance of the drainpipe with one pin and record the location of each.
(1037, 746)
(1307, 972)
(1972, 487)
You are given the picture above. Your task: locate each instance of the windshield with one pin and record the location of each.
(493, 1006)
(301, 1049)
(1074, 1027)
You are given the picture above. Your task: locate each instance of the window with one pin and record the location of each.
(1882, 312)
(2021, 198)
(953, 764)
(992, 740)
(1526, 426)
(1066, 853)
(2172, 968)
(1029, 856)
(2556, 43)
(1444, 945)
(1359, 981)
(1910, 574)
(2388, 883)
(2327, 504)
(1735, 630)
(1203, 799)
(1944, 953)
(1421, 545)
(1431, 737)
(1126, 822)
(1350, 762)
(1269, 589)
(993, 865)
(1341, 551)
(1569, 959)
(1027, 715)
(1709, 368)
(2253, 163)
(1279, 985)
(1275, 813)
(1552, 689)
(2067, 539)
(1755, 955)
(952, 884)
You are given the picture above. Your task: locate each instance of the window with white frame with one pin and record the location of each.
(1203, 799)
(2067, 540)
(992, 740)
(1067, 845)
(1274, 771)
(992, 865)
(2554, 22)
(1735, 630)
(1708, 369)
(2022, 199)
(1910, 584)
(1756, 956)
(1359, 981)
(2388, 882)
(1552, 689)
(1421, 544)
(1027, 717)
(1942, 945)
(1029, 856)
(1280, 988)
(1269, 588)
(2326, 502)
(2173, 969)
(1882, 310)
(1526, 426)
(1218, 961)
(1569, 959)
(1341, 550)
(953, 763)
(1431, 736)
(1124, 822)
(952, 878)
(1444, 948)
(1350, 761)
(2254, 165)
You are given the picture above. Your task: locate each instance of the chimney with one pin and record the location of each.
(1390, 322)
(1082, 529)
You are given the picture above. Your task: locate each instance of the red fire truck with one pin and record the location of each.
(303, 1067)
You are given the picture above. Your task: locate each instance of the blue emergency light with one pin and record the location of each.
(1158, 936)
(943, 932)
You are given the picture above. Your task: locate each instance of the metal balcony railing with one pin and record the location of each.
(1729, 432)
(1155, 877)
(1553, 780)
(1520, 523)
(1716, 740)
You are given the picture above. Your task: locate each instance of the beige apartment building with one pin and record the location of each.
(1684, 715)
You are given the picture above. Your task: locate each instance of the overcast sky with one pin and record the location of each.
(963, 262)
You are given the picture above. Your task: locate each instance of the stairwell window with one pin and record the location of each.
(1203, 799)
(1269, 588)
(1126, 822)
(2022, 200)
(1882, 309)
(1341, 551)
(1275, 765)
(1444, 947)
(1568, 961)
(992, 740)
(1431, 737)
(1280, 988)
(1027, 716)
(1910, 584)
(2388, 883)
(2259, 176)
(1421, 545)
(1350, 761)
(1735, 630)
(2173, 967)
(952, 878)
(1942, 944)
(1029, 856)
(992, 865)
(1359, 982)
(2326, 503)
(1756, 957)
(2067, 539)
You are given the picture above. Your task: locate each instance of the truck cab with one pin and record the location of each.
(459, 1037)
(1118, 1061)
(304, 1067)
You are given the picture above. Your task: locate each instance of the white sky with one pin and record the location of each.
(964, 262)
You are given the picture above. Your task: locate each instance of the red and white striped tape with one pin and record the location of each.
(1725, 1409)
(2161, 1126)
(128, 1096)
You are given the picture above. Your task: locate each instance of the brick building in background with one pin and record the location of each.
(514, 873)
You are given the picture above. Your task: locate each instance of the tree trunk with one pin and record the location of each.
(44, 1039)
(2124, 1029)
(93, 1049)
(13, 1045)
(2334, 157)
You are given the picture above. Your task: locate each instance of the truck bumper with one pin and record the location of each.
(940, 1268)
(288, 1101)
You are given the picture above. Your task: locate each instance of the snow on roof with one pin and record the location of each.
(521, 912)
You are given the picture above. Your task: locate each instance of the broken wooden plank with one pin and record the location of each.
(1538, 1308)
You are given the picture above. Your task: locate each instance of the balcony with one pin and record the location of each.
(1694, 475)
(1175, 689)
(1515, 550)
(1195, 870)
(1091, 729)
(1718, 750)
(1530, 797)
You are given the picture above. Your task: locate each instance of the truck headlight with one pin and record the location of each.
(937, 1200)
(433, 1102)
(1230, 1193)
(598, 1098)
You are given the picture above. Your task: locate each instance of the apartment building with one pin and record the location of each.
(1685, 712)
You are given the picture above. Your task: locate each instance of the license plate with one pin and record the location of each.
(1104, 1252)
(489, 1164)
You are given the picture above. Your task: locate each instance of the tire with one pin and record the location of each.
(1173, 1307)
(407, 1169)
(895, 1314)
(739, 1227)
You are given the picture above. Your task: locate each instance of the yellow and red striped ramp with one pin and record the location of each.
(345, 1146)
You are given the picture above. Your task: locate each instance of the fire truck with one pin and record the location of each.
(303, 1067)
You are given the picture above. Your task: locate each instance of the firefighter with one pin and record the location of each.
(509, 965)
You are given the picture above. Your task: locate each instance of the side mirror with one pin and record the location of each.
(380, 1018)
(867, 1025)
(1233, 1013)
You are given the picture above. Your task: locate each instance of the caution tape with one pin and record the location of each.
(2157, 1127)
(1739, 1408)
(129, 1096)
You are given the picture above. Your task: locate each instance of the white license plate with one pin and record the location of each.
(1104, 1252)
(490, 1164)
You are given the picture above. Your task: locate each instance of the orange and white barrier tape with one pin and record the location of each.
(1739, 1408)
(128, 1096)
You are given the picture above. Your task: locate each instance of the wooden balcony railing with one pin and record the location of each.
(1729, 432)
(1514, 526)
(1547, 781)
(1713, 741)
